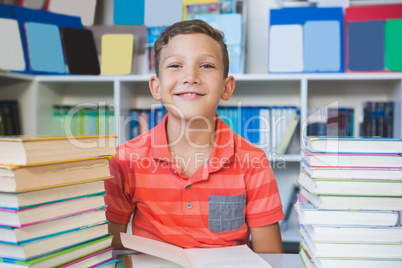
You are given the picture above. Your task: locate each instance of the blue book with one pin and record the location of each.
(365, 46)
(134, 126)
(44, 47)
(128, 12)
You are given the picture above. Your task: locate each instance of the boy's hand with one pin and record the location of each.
(115, 229)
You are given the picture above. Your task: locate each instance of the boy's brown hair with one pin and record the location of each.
(189, 27)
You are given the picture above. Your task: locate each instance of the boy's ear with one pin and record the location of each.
(228, 88)
(154, 86)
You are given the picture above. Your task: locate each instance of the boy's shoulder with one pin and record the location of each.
(244, 148)
(139, 145)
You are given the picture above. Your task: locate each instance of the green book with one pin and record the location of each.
(393, 45)
(62, 256)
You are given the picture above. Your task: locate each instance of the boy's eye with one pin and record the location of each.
(207, 66)
(174, 66)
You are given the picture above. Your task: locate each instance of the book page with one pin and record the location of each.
(149, 261)
(226, 257)
(155, 248)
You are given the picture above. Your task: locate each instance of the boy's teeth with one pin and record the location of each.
(188, 94)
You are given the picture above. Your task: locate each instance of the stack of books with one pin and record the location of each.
(349, 202)
(52, 210)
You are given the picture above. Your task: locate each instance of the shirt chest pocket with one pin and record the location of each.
(226, 213)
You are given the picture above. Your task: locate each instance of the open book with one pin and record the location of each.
(226, 257)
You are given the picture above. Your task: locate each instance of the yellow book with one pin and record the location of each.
(35, 177)
(26, 150)
(117, 53)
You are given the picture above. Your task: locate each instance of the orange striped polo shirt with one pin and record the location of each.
(234, 190)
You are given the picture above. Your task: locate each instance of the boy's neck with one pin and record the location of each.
(193, 134)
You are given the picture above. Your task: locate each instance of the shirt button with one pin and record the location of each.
(188, 187)
(189, 205)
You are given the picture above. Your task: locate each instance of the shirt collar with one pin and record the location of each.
(222, 150)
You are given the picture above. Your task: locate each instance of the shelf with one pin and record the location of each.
(238, 77)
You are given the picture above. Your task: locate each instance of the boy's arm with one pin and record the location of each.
(115, 229)
(266, 239)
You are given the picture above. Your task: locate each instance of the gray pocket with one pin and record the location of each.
(226, 213)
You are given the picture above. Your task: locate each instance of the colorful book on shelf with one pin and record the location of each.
(23, 200)
(307, 213)
(155, 12)
(353, 250)
(18, 235)
(33, 215)
(44, 48)
(51, 244)
(350, 186)
(61, 256)
(370, 36)
(364, 16)
(127, 12)
(352, 173)
(35, 177)
(302, 26)
(352, 160)
(80, 51)
(352, 202)
(10, 123)
(309, 260)
(393, 55)
(192, 8)
(340, 233)
(117, 53)
(11, 52)
(290, 130)
(354, 145)
(378, 119)
(29, 150)
(194, 257)
(23, 15)
(83, 9)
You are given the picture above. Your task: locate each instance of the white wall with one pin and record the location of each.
(257, 35)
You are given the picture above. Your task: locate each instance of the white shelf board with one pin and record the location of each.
(17, 76)
(238, 77)
(76, 78)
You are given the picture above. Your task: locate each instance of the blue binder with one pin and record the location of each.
(288, 16)
(365, 43)
(5, 11)
(23, 15)
(129, 12)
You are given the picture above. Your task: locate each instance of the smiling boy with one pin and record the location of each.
(191, 181)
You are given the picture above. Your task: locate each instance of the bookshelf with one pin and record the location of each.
(37, 94)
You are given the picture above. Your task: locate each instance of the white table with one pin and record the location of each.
(283, 260)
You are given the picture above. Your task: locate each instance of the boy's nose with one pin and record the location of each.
(191, 76)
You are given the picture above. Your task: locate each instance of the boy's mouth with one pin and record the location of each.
(189, 95)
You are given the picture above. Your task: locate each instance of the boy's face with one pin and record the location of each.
(191, 81)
